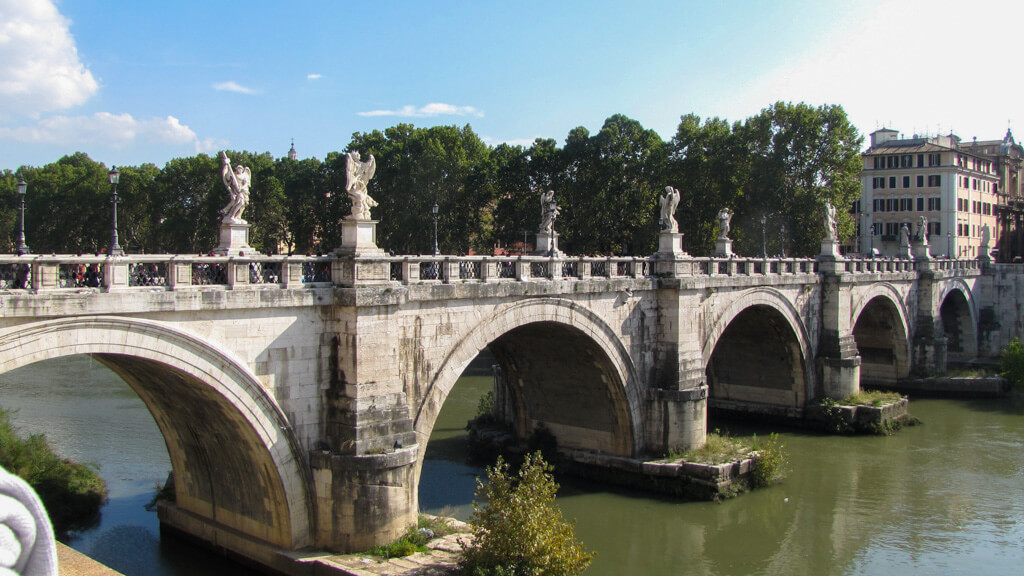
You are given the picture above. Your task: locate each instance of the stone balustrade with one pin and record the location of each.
(186, 272)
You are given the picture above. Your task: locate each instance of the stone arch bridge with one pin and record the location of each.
(296, 395)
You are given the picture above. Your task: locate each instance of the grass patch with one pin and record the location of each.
(720, 448)
(416, 538)
(873, 398)
(1011, 364)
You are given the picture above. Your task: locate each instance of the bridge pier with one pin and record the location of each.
(838, 359)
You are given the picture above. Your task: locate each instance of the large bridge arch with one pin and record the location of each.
(958, 312)
(880, 323)
(514, 328)
(235, 459)
(762, 308)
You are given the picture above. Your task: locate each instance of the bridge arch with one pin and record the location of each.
(536, 327)
(236, 461)
(881, 330)
(736, 328)
(958, 312)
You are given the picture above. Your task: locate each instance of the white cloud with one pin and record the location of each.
(106, 129)
(233, 87)
(429, 111)
(313, 76)
(924, 66)
(39, 66)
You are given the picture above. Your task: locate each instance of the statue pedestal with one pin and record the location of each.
(359, 238)
(670, 244)
(830, 250)
(921, 251)
(234, 239)
(547, 244)
(723, 248)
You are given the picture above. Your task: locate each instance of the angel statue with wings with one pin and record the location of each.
(358, 174)
(669, 202)
(237, 182)
(548, 212)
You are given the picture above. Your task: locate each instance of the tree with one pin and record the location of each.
(417, 167)
(518, 529)
(190, 196)
(707, 163)
(801, 158)
(611, 184)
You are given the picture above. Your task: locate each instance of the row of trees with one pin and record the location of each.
(784, 164)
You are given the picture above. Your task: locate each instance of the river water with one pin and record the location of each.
(945, 497)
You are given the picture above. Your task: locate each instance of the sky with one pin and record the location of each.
(131, 82)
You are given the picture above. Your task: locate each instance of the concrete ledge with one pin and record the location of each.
(676, 478)
(946, 386)
(71, 562)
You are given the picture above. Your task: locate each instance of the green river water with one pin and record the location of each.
(945, 497)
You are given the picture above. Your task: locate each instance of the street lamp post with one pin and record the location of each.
(434, 211)
(949, 244)
(764, 237)
(782, 230)
(115, 248)
(22, 248)
(525, 232)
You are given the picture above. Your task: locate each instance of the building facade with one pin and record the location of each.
(956, 189)
(1008, 159)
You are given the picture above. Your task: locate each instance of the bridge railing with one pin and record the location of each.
(160, 272)
(752, 266)
(449, 269)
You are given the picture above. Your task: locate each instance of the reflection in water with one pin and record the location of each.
(945, 497)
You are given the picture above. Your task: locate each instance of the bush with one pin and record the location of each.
(518, 528)
(771, 464)
(72, 493)
(1011, 363)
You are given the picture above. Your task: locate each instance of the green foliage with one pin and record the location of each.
(416, 538)
(518, 528)
(719, 448)
(784, 163)
(1011, 363)
(72, 493)
(834, 421)
(771, 462)
(874, 398)
(485, 407)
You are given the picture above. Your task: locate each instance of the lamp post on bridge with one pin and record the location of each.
(782, 231)
(764, 237)
(949, 245)
(115, 248)
(22, 248)
(434, 211)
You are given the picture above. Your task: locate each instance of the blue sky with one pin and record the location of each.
(134, 82)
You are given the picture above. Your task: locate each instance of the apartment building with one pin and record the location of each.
(955, 188)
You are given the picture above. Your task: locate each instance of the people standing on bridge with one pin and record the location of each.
(237, 182)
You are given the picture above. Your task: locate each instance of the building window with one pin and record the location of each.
(935, 159)
(906, 161)
(892, 181)
(935, 228)
(920, 181)
(920, 204)
(920, 160)
(879, 162)
(935, 204)
(878, 182)
(935, 180)
(906, 181)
